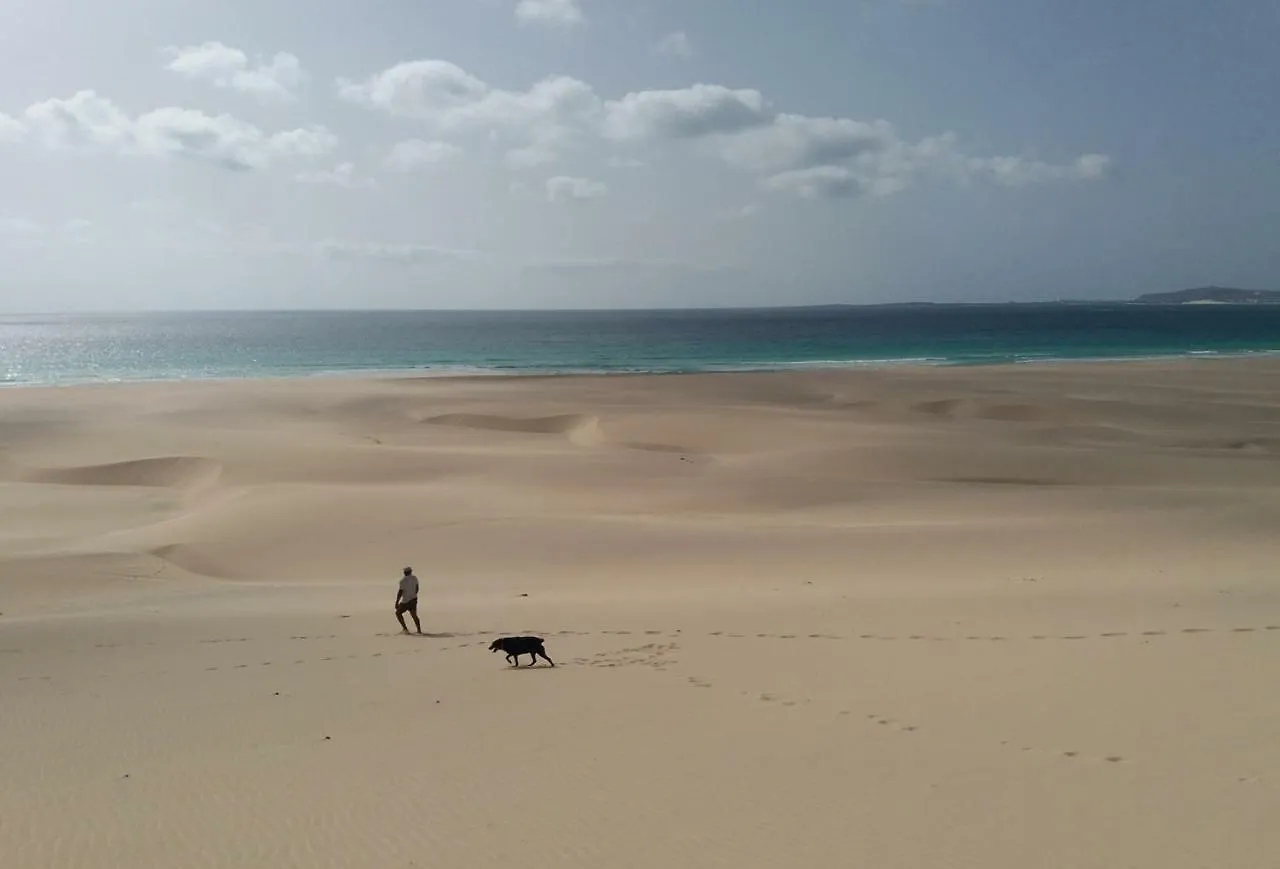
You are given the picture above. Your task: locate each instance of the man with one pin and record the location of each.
(407, 600)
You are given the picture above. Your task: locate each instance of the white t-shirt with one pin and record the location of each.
(409, 587)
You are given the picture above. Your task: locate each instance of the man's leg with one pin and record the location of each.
(400, 618)
(413, 611)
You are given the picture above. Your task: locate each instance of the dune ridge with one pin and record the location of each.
(184, 472)
(581, 429)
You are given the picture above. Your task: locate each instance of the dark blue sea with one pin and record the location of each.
(66, 349)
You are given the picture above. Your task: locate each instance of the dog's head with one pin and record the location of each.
(497, 645)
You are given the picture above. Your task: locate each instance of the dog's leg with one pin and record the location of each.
(543, 653)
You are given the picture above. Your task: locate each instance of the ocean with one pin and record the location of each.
(71, 349)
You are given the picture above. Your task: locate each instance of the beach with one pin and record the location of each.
(965, 617)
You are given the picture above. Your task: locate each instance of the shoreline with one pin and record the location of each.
(481, 374)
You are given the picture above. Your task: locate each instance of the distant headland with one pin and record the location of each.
(1195, 296)
(1211, 296)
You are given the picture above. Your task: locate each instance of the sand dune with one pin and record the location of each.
(968, 618)
(172, 471)
(578, 428)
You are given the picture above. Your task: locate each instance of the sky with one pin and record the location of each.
(477, 154)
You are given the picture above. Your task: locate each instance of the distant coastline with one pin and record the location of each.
(1194, 296)
(1211, 296)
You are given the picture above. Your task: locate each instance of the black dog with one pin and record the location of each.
(517, 646)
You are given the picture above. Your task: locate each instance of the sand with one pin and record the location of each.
(989, 618)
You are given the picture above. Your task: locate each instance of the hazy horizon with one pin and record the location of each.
(593, 155)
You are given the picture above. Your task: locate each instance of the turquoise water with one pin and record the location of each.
(39, 350)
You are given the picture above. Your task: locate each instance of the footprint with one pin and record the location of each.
(1115, 758)
(1153, 633)
(1242, 630)
(1115, 634)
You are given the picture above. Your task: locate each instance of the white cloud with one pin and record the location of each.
(689, 113)
(813, 157)
(417, 89)
(227, 67)
(538, 122)
(818, 182)
(559, 13)
(11, 129)
(829, 158)
(305, 141)
(798, 142)
(553, 102)
(530, 157)
(1020, 172)
(83, 120)
(413, 153)
(88, 121)
(563, 188)
(342, 175)
(675, 44)
(19, 226)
